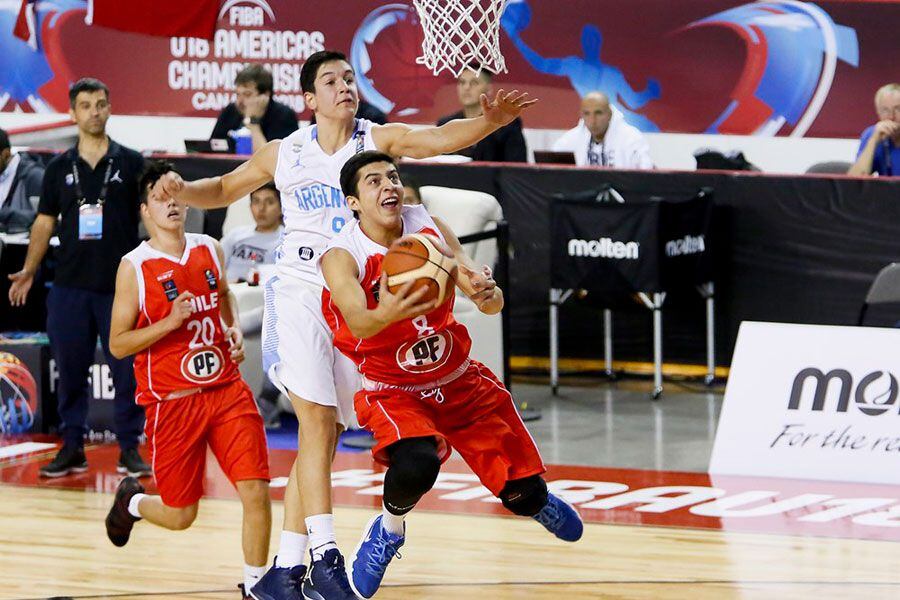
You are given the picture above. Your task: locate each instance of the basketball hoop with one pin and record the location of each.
(461, 33)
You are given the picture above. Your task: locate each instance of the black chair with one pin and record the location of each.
(838, 167)
(885, 289)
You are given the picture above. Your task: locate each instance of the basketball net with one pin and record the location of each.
(461, 34)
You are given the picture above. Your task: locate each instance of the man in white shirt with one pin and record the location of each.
(602, 138)
(249, 246)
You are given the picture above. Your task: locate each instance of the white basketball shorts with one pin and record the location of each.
(297, 349)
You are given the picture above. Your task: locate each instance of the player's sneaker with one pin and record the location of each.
(327, 579)
(561, 519)
(280, 583)
(69, 459)
(372, 557)
(130, 462)
(119, 521)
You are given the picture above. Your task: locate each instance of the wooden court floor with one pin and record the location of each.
(53, 545)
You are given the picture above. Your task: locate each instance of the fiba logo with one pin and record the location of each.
(18, 395)
(426, 354)
(202, 365)
(874, 395)
(247, 13)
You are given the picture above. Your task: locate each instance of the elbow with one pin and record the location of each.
(116, 349)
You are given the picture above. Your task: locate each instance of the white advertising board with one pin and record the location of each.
(812, 402)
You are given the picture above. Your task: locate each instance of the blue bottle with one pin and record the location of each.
(243, 142)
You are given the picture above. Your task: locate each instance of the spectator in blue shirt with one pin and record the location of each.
(879, 145)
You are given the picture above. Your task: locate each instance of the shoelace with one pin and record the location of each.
(296, 576)
(381, 556)
(550, 516)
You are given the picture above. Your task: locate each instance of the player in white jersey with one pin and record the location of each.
(298, 353)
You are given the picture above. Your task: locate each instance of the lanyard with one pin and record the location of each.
(80, 192)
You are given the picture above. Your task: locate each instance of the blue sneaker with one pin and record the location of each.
(327, 579)
(372, 557)
(561, 519)
(280, 583)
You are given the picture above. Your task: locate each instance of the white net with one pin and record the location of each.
(461, 34)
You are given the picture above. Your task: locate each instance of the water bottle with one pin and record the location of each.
(243, 141)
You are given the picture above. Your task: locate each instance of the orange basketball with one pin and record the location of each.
(424, 259)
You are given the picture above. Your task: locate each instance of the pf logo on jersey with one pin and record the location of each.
(425, 354)
(203, 364)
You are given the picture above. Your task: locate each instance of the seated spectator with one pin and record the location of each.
(603, 138)
(20, 188)
(879, 144)
(254, 108)
(411, 194)
(506, 144)
(248, 247)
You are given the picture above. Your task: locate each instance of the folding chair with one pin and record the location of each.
(884, 290)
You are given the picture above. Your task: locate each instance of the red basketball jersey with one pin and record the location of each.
(413, 352)
(197, 354)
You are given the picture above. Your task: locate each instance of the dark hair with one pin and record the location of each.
(86, 84)
(153, 171)
(351, 168)
(311, 68)
(268, 186)
(4, 140)
(257, 75)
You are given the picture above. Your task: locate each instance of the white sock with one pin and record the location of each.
(133, 505)
(251, 576)
(392, 523)
(321, 534)
(291, 549)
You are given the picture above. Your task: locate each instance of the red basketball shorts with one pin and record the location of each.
(226, 420)
(473, 414)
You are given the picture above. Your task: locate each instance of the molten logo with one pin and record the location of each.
(202, 365)
(869, 398)
(604, 248)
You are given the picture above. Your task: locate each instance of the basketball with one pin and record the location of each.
(424, 259)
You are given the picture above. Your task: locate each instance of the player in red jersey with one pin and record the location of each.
(422, 394)
(174, 311)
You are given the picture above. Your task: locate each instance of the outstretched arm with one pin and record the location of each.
(341, 273)
(217, 192)
(398, 139)
(476, 282)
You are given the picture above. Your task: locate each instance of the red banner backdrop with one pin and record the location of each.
(717, 66)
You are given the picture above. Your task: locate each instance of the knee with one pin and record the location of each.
(315, 421)
(184, 517)
(416, 466)
(254, 493)
(524, 497)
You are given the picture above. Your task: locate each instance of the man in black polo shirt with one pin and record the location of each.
(93, 190)
(255, 109)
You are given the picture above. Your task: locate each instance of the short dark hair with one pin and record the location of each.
(311, 68)
(268, 186)
(4, 140)
(86, 84)
(257, 75)
(351, 168)
(152, 172)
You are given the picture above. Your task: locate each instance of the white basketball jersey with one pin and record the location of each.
(312, 203)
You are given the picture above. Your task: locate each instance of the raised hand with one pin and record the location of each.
(506, 106)
(181, 310)
(169, 185)
(487, 296)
